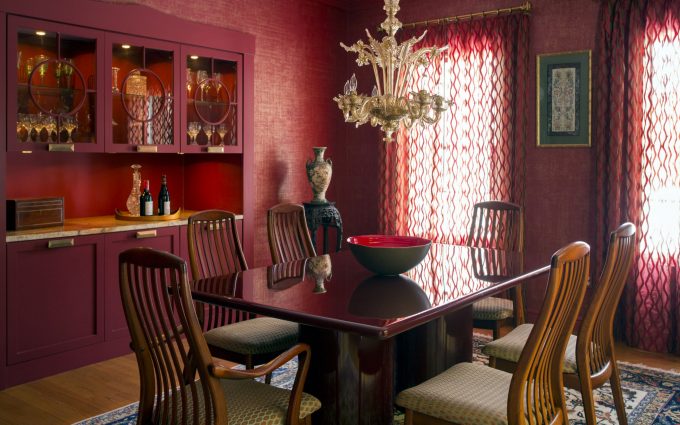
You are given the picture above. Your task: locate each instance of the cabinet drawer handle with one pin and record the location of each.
(60, 243)
(146, 234)
(147, 148)
(61, 147)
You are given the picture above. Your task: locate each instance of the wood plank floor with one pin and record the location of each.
(78, 394)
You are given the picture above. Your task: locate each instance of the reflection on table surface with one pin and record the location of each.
(334, 291)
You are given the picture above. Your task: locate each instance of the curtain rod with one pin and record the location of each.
(524, 8)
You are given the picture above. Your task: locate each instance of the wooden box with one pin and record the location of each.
(31, 213)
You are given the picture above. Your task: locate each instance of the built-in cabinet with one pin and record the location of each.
(55, 296)
(110, 79)
(54, 95)
(83, 90)
(164, 239)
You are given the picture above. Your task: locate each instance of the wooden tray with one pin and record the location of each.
(123, 215)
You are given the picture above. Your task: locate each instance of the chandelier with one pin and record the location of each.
(389, 105)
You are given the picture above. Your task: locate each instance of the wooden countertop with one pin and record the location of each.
(93, 226)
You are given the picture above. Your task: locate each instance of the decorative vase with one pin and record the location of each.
(132, 203)
(319, 172)
(321, 269)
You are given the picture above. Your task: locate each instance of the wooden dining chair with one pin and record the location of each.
(215, 249)
(180, 381)
(288, 233)
(590, 360)
(498, 225)
(470, 393)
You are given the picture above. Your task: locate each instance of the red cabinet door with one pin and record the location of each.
(164, 239)
(55, 297)
(54, 93)
(211, 97)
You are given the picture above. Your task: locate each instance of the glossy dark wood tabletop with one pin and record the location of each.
(335, 292)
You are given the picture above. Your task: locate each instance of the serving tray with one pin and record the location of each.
(124, 215)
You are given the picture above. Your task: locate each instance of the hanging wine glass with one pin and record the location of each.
(42, 68)
(69, 124)
(29, 67)
(114, 80)
(201, 77)
(193, 129)
(190, 81)
(50, 127)
(34, 127)
(20, 125)
(208, 130)
(222, 131)
(57, 73)
(68, 72)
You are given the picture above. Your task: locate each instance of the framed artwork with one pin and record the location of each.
(563, 95)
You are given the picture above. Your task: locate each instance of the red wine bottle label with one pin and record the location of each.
(148, 208)
(166, 208)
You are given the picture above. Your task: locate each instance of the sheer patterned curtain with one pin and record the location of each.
(431, 177)
(638, 160)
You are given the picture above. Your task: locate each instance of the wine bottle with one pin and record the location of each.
(164, 197)
(146, 201)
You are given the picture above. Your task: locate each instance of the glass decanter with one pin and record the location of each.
(133, 200)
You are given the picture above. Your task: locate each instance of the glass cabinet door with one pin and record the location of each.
(142, 79)
(55, 103)
(211, 116)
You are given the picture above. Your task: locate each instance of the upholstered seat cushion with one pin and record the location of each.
(510, 347)
(492, 308)
(255, 336)
(252, 403)
(465, 393)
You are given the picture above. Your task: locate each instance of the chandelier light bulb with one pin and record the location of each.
(390, 105)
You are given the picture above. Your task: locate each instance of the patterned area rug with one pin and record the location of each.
(652, 397)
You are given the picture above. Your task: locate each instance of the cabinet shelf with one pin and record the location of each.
(209, 103)
(52, 91)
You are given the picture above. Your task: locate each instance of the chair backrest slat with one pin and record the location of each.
(595, 337)
(498, 225)
(536, 393)
(289, 238)
(168, 341)
(214, 250)
(214, 244)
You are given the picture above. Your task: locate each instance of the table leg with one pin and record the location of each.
(430, 349)
(351, 375)
(357, 377)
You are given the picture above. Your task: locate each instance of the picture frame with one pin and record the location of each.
(563, 99)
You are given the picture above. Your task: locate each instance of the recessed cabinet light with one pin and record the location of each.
(125, 46)
(40, 33)
(194, 57)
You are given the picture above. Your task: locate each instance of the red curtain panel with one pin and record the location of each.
(637, 140)
(432, 176)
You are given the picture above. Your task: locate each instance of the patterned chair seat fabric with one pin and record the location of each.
(492, 308)
(465, 393)
(252, 403)
(255, 336)
(510, 347)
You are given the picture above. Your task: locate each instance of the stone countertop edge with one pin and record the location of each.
(93, 226)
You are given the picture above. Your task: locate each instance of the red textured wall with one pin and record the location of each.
(559, 202)
(296, 62)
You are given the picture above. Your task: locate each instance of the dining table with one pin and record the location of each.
(372, 336)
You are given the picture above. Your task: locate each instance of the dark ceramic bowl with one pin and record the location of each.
(388, 255)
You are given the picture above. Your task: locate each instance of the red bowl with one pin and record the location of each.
(388, 255)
